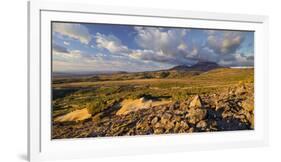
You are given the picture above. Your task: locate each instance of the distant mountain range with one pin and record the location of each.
(200, 66)
(79, 74)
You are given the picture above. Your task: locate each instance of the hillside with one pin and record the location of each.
(135, 103)
(200, 66)
(175, 72)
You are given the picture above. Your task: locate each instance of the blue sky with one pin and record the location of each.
(80, 47)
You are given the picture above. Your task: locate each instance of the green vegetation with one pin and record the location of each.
(100, 92)
(164, 74)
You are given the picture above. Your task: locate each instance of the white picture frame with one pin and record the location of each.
(40, 145)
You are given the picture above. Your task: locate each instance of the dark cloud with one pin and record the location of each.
(225, 42)
(228, 58)
(250, 58)
(207, 54)
(169, 46)
(165, 46)
(71, 30)
(58, 48)
(173, 59)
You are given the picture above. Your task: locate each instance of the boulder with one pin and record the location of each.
(196, 102)
(165, 118)
(154, 120)
(158, 130)
(195, 115)
(184, 125)
(201, 124)
(158, 125)
(176, 119)
(241, 90)
(179, 112)
(227, 113)
(184, 105)
(169, 126)
(191, 130)
(248, 105)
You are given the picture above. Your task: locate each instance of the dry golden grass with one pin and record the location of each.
(98, 95)
(217, 77)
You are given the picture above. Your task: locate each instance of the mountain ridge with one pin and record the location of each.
(200, 66)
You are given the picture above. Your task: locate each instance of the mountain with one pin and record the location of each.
(181, 67)
(200, 66)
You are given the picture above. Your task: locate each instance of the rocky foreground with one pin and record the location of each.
(231, 109)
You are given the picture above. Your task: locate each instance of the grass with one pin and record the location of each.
(101, 92)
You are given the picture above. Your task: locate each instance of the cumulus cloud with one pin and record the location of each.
(66, 43)
(168, 45)
(76, 61)
(225, 45)
(58, 48)
(159, 39)
(154, 48)
(75, 31)
(237, 59)
(207, 54)
(62, 54)
(111, 43)
(150, 55)
(225, 42)
(67, 56)
(155, 45)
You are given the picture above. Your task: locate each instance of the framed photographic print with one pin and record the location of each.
(107, 81)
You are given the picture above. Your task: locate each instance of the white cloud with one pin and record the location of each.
(224, 47)
(182, 46)
(75, 31)
(159, 48)
(207, 54)
(67, 56)
(118, 50)
(237, 59)
(158, 39)
(226, 43)
(76, 62)
(111, 43)
(168, 45)
(243, 60)
(66, 43)
(58, 48)
(158, 45)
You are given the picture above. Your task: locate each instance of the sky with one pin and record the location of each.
(84, 47)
